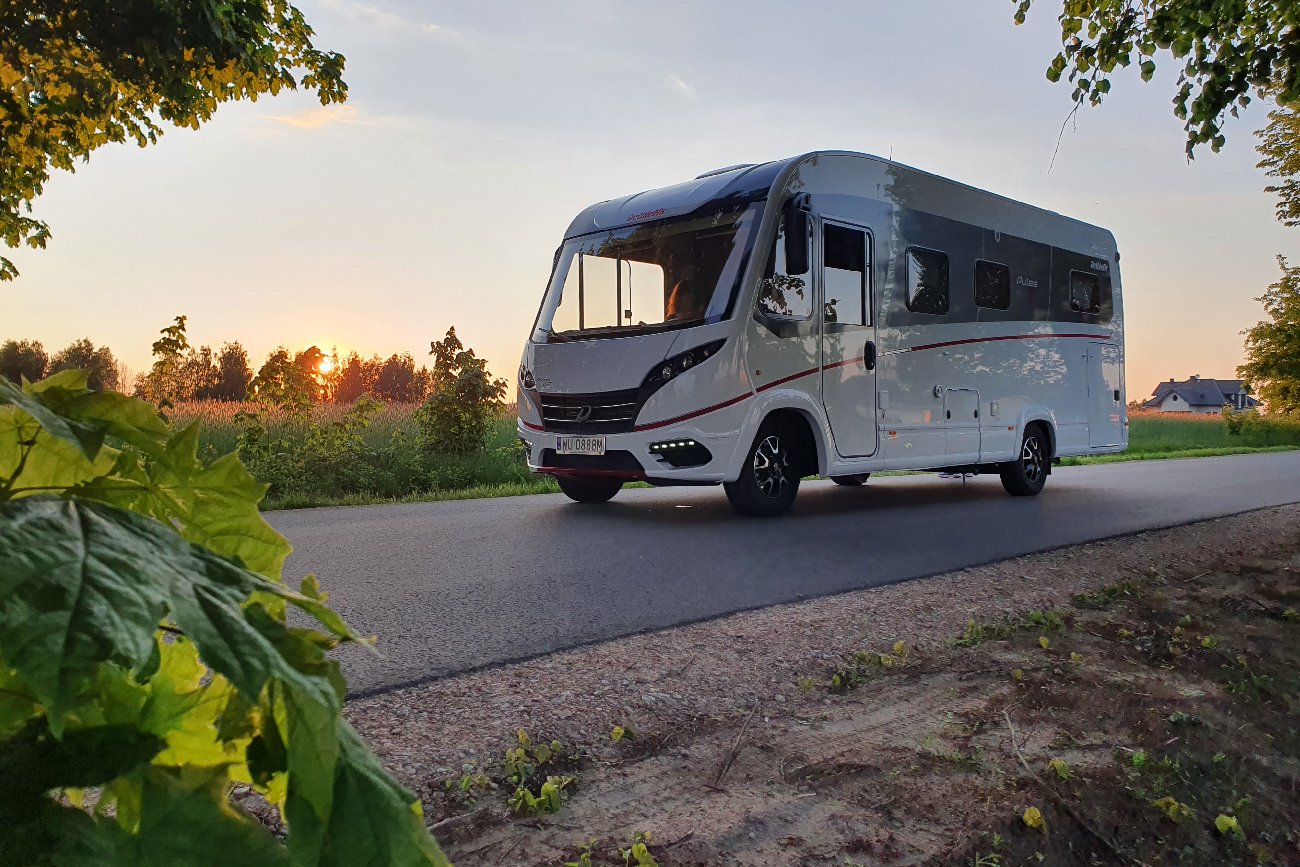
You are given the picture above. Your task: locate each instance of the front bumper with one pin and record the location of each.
(628, 456)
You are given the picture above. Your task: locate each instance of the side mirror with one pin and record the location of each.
(797, 232)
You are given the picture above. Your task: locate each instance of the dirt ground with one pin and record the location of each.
(1134, 701)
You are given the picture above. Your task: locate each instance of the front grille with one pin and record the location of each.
(619, 460)
(603, 412)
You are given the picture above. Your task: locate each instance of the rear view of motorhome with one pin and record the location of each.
(834, 314)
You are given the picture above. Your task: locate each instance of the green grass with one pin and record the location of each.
(1163, 433)
(1172, 454)
(536, 485)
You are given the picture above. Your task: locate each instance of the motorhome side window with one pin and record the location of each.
(1085, 292)
(927, 281)
(844, 275)
(782, 294)
(992, 285)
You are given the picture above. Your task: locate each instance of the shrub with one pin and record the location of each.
(146, 665)
(457, 416)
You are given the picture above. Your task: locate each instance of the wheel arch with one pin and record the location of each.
(1047, 421)
(798, 408)
(805, 429)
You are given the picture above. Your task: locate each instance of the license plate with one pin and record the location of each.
(580, 445)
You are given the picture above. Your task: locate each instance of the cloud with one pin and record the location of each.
(387, 20)
(681, 87)
(315, 118)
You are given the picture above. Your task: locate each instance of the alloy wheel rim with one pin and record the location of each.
(771, 466)
(1031, 456)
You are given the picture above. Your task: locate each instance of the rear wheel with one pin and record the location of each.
(1026, 476)
(770, 478)
(589, 490)
(851, 481)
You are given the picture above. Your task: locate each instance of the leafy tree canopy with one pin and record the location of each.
(233, 373)
(290, 382)
(1272, 365)
(21, 359)
(1228, 49)
(78, 74)
(1280, 146)
(98, 362)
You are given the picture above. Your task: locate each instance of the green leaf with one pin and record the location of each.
(87, 437)
(309, 729)
(185, 705)
(32, 460)
(82, 583)
(16, 704)
(185, 819)
(75, 591)
(161, 475)
(375, 822)
(34, 761)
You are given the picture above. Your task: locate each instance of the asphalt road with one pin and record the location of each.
(458, 585)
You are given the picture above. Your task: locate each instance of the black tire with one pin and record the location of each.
(589, 490)
(770, 478)
(852, 481)
(1025, 476)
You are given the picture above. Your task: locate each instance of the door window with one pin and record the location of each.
(845, 283)
(780, 294)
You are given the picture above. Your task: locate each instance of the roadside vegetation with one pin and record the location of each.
(372, 452)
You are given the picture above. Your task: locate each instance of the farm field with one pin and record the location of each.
(322, 460)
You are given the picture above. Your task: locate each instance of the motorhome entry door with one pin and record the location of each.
(848, 334)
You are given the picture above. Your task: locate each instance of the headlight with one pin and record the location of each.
(680, 363)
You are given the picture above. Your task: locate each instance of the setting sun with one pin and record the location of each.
(326, 365)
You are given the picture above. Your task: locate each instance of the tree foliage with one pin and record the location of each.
(233, 374)
(1228, 50)
(23, 359)
(82, 354)
(1279, 145)
(395, 379)
(145, 653)
(291, 382)
(77, 75)
(1272, 367)
(457, 416)
(165, 383)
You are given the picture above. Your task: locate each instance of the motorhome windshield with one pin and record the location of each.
(648, 277)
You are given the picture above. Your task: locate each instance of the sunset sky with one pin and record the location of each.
(475, 130)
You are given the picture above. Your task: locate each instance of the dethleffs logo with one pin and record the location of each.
(645, 215)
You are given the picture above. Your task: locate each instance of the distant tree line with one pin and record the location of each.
(182, 372)
(28, 358)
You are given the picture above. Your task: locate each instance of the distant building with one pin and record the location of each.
(1200, 396)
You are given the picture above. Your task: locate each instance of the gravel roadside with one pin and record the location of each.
(715, 672)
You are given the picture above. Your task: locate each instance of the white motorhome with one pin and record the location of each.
(834, 314)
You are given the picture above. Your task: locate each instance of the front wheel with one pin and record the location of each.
(770, 478)
(1025, 477)
(589, 490)
(851, 481)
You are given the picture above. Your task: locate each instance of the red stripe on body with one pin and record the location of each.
(783, 380)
